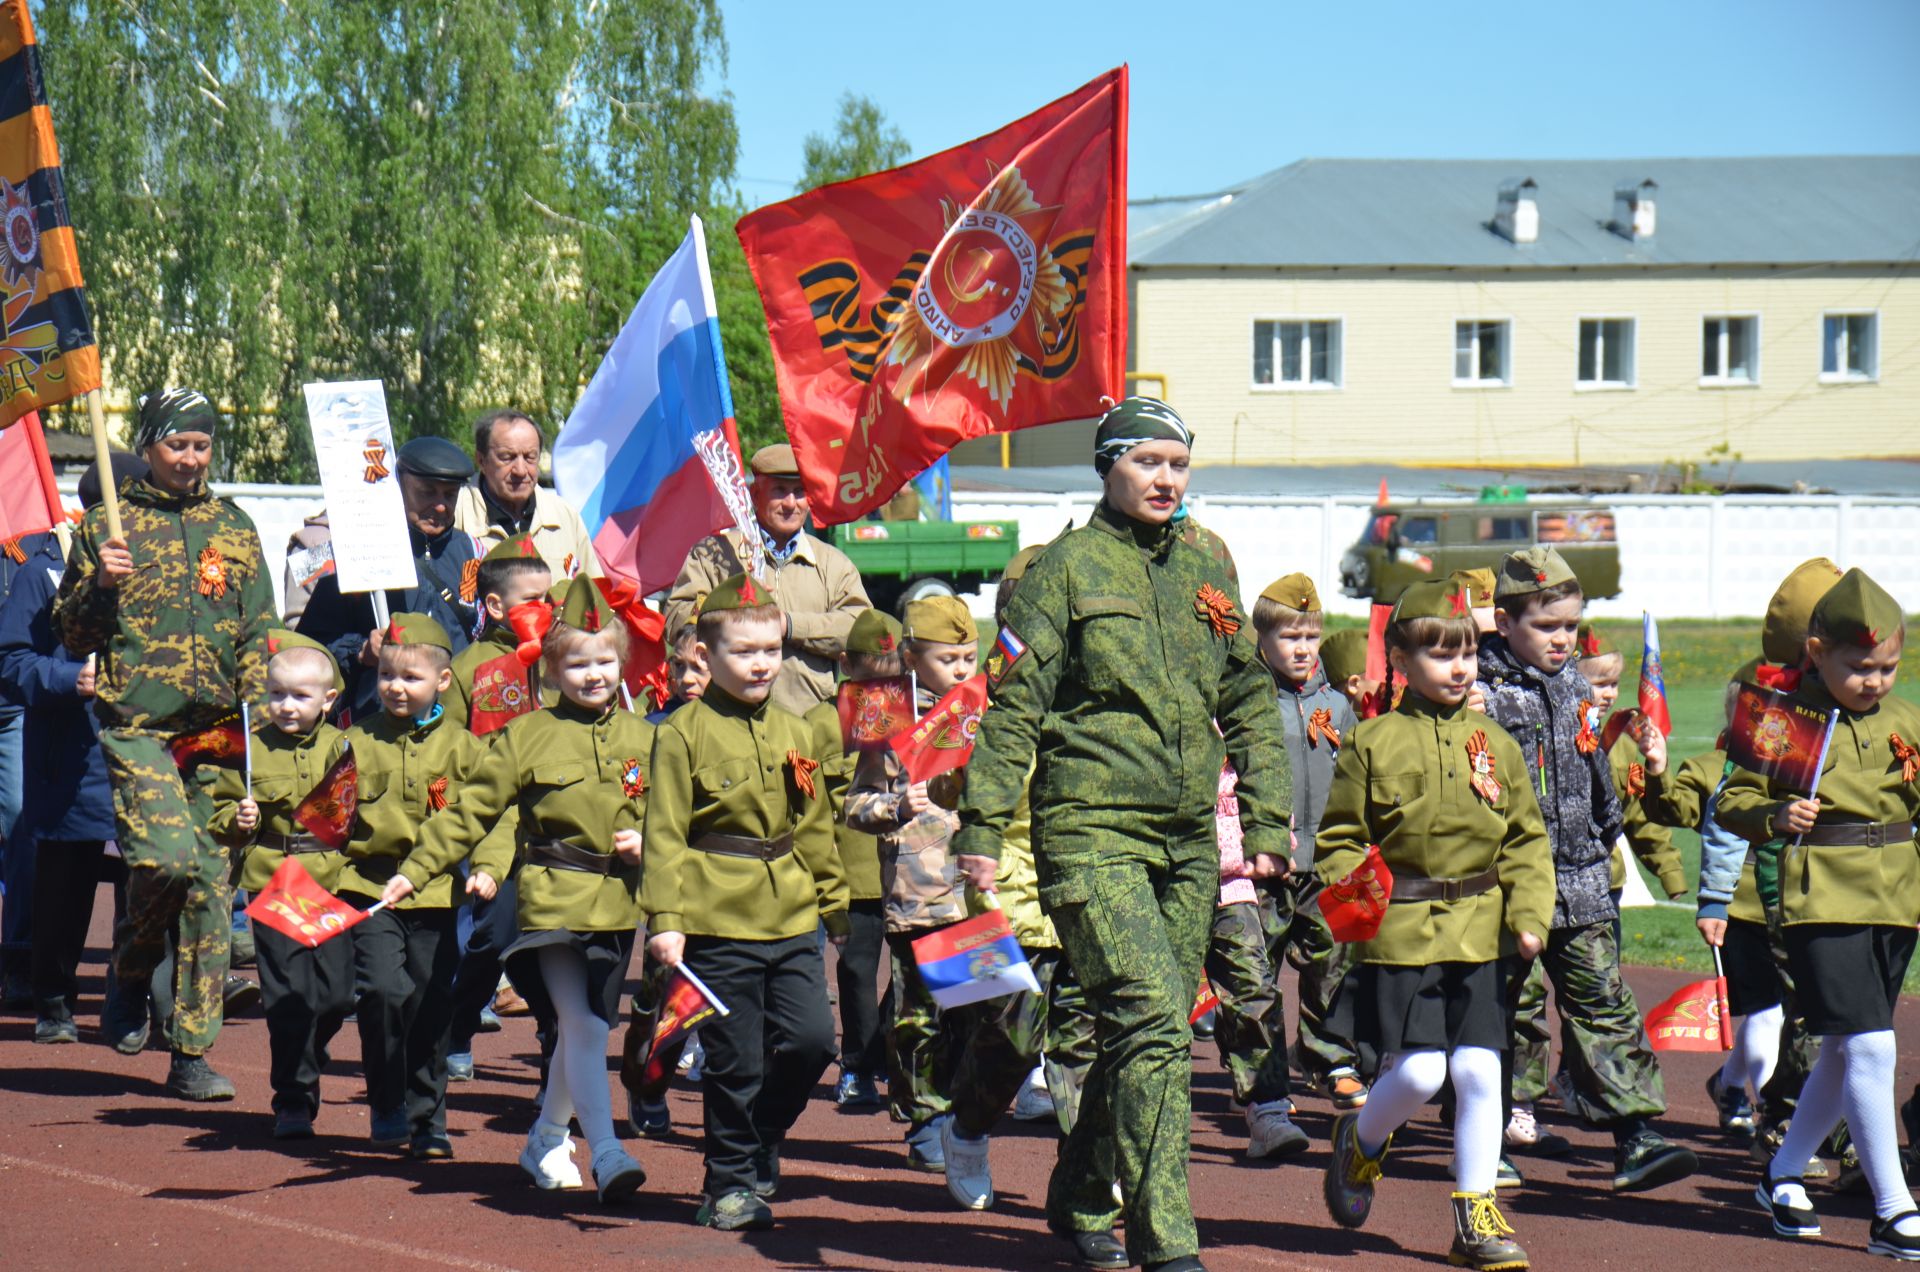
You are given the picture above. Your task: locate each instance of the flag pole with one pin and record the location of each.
(103, 458)
(1720, 997)
(246, 744)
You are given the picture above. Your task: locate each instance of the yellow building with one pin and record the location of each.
(1494, 312)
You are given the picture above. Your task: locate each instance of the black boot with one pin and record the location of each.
(191, 1078)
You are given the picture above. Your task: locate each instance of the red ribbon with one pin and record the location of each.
(530, 621)
(1785, 679)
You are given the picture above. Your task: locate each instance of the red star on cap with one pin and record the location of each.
(393, 631)
(1458, 598)
(1539, 576)
(748, 595)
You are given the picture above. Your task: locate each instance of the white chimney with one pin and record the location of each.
(1633, 210)
(1516, 217)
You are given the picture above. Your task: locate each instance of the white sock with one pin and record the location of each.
(1816, 1115)
(1408, 1079)
(580, 1049)
(1476, 1118)
(1758, 1043)
(1867, 1099)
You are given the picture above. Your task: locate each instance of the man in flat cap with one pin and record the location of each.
(432, 471)
(817, 588)
(505, 499)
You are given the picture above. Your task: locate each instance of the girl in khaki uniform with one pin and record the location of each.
(576, 775)
(1444, 793)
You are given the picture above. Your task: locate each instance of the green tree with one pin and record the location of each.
(862, 142)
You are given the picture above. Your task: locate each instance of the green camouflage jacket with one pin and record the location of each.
(1128, 666)
(183, 641)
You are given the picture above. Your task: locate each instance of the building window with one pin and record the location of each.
(1296, 353)
(1730, 350)
(1480, 353)
(1850, 347)
(1606, 353)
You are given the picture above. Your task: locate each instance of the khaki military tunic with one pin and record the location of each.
(496, 642)
(407, 773)
(725, 767)
(1650, 841)
(574, 776)
(286, 769)
(1404, 782)
(859, 852)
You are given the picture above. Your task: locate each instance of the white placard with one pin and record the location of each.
(353, 445)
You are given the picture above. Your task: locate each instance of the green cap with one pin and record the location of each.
(1479, 585)
(515, 547)
(1858, 611)
(1344, 654)
(1531, 570)
(741, 591)
(1783, 633)
(558, 593)
(874, 632)
(585, 609)
(1435, 598)
(1295, 591)
(1591, 643)
(280, 640)
(941, 620)
(417, 629)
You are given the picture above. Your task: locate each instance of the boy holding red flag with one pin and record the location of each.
(307, 990)
(1443, 793)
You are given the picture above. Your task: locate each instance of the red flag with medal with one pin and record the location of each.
(977, 291)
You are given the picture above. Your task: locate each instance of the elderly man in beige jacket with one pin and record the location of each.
(505, 499)
(817, 587)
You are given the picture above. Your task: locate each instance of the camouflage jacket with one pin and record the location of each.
(183, 641)
(1122, 649)
(917, 873)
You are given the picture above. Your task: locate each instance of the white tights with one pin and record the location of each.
(1756, 1047)
(1853, 1078)
(577, 1077)
(1408, 1079)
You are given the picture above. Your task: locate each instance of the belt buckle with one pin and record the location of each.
(1452, 889)
(1876, 835)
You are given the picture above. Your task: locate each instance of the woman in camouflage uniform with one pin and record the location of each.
(177, 609)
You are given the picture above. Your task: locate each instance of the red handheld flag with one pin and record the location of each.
(222, 744)
(329, 808)
(979, 290)
(1690, 1019)
(684, 1007)
(1356, 905)
(1777, 736)
(297, 907)
(943, 739)
(872, 711)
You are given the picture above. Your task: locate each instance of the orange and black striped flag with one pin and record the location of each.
(47, 351)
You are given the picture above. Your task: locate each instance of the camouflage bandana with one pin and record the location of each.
(1135, 422)
(174, 411)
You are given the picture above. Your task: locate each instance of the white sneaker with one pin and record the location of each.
(1271, 1132)
(548, 1157)
(969, 1175)
(1035, 1101)
(1522, 1130)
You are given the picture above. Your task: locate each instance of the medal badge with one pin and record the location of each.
(1484, 783)
(633, 782)
(212, 573)
(1588, 740)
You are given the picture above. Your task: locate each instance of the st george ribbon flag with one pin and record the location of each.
(979, 290)
(650, 455)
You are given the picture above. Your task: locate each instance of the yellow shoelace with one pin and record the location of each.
(1484, 1217)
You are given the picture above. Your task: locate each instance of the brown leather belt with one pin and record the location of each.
(1421, 888)
(741, 846)
(291, 844)
(558, 854)
(1857, 834)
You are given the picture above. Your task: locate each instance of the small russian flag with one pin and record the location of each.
(973, 960)
(1653, 685)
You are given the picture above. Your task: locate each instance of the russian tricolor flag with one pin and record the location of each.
(973, 960)
(1653, 684)
(650, 455)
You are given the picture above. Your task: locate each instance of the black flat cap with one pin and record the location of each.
(435, 458)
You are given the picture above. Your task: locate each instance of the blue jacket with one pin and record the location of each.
(65, 775)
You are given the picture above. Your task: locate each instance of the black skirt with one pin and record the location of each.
(605, 953)
(1847, 975)
(1436, 1007)
(1753, 981)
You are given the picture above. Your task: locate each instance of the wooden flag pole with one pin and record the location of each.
(103, 457)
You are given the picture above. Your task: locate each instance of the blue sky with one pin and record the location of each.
(1225, 91)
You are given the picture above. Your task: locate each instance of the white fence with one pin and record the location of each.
(1681, 556)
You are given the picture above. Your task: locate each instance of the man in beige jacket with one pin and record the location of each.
(816, 586)
(506, 499)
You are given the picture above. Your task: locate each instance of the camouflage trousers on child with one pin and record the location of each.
(176, 875)
(1613, 1070)
(1297, 932)
(1251, 1026)
(923, 1042)
(1003, 1038)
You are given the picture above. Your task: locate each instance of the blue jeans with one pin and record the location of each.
(16, 851)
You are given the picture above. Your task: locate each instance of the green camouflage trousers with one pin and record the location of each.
(1133, 914)
(176, 875)
(1602, 1041)
(923, 1042)
(1298, 933)
(1003, 1038)
(1251, 1027)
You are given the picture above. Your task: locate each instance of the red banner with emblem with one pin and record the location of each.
(977, 291)
(293, 905)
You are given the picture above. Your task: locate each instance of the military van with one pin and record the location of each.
(1406, 543)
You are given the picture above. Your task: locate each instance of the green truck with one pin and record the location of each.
(901, 561)
(1406, 543)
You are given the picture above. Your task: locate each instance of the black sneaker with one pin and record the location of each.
(1884, 1238)
(1791, 1218)
(649, 1119)
(55, 1029)
(191, 1078)
(430, 1146)
(124, 1022)
(292, 1124)
(766, 1173)
(735, 1212)
(1736, 1110)
(238, 996)
(1646, 1160)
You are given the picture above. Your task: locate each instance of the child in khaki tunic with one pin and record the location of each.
(1850, 897)
(1443, 791)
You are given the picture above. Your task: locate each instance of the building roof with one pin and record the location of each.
(1373, 213)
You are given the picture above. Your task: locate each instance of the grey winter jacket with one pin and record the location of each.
(1312, 757)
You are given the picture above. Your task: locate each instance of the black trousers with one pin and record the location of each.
(863, 1044)
(68, 872)
(764, 1059)
(307, 994)
(403, 966)
(496, 925)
